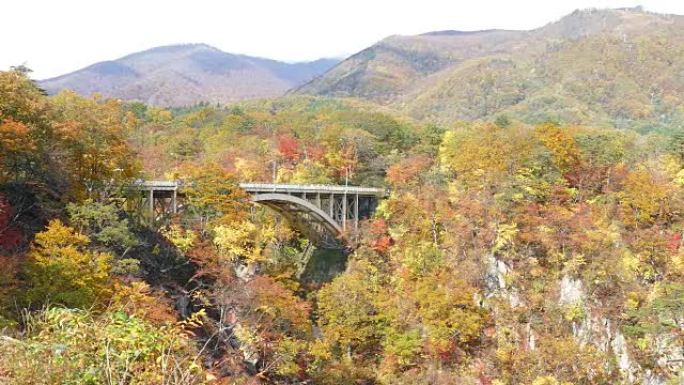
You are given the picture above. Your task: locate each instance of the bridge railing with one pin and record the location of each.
(167, 185)
(312, 188)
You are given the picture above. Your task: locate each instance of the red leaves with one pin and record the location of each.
(288, 147)
(381, 241)
(10, 237)
(378, 227)
(674, 242)
(382, 244)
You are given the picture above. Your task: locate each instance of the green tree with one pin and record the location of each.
(103, 222)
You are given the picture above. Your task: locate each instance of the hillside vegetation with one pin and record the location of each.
(180, 75)
(606, 68)
(506, 253)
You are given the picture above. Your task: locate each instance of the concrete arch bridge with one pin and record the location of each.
(328, 215)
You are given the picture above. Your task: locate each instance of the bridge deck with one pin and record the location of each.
(312, 188)
(159, 185)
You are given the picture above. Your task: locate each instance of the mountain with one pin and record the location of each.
(187, 74)
(390, 68)
(614, 67)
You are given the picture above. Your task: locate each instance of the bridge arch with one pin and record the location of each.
(306, 217)
(323, 213)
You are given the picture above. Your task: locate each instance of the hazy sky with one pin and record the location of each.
(54, 37)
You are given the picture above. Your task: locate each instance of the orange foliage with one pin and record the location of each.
(408, 170)
(285, 311)
(315, 152)
(381, 242)
(15, 136)
(137, 298)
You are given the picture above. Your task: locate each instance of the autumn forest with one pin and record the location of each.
(533, 244)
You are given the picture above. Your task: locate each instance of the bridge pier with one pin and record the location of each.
(344, 212)
(158, 198)
(174, 201)
(356, 212)
(150, 203)
(331, 203)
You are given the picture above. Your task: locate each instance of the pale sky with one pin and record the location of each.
(55, 37)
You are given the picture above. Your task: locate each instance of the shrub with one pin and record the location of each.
(67, 346)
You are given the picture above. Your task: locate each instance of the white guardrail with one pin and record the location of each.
(275, 187)
(311, 188)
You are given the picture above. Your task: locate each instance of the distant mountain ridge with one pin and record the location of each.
(608, 67)
(180, 75)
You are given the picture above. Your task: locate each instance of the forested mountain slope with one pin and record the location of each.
(507, 253)
(187, 74)
(618, 68)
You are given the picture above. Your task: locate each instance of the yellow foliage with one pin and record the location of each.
(678, 263)
(243, 240)
(631, 262)
(446, 309)
(66, 346)
(505, 236)
(249, 169)
(61, 270)
(561, 144)
(643, 198)
(309, 171)
(679, 178)
(548, 380)
(99, 157)
(347, 306)
(213, 194)
(633, 301)
(183, 240)
(234, 241)
(483, 153)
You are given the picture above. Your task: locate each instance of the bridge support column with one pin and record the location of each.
(356, 212)
(344, 212)
(174, 202)
(151, 205)
(331, 205)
